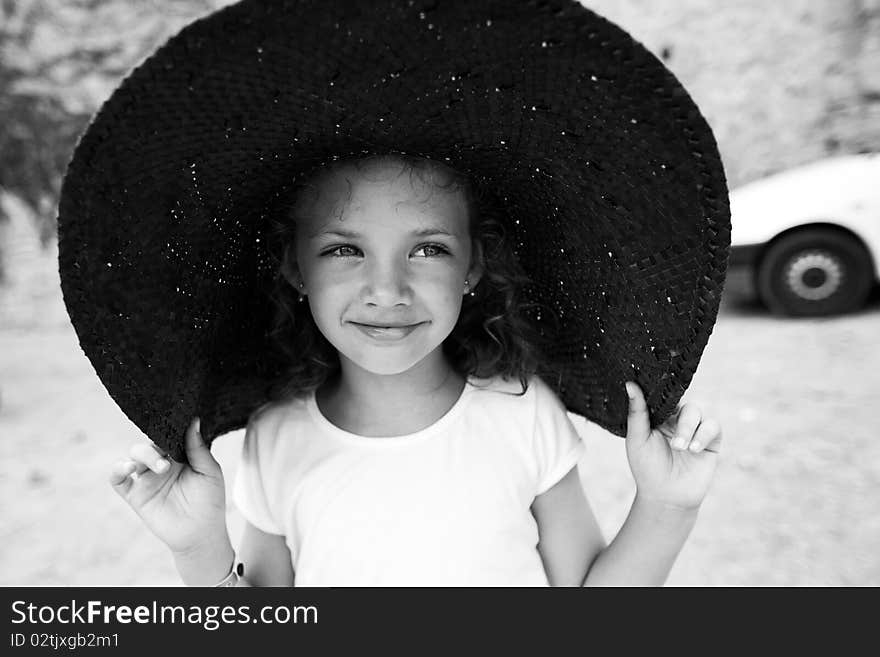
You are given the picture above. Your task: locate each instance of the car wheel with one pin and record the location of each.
(815, 271)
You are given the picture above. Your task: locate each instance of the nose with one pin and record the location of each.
(386, 285)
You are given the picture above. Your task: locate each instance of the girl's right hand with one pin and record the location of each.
(184, 505)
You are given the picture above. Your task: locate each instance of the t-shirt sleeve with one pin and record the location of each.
(249, 488)
(558, 447)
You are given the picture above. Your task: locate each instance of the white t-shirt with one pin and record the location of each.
(446, 506)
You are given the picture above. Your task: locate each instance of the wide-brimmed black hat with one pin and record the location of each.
(606, 174)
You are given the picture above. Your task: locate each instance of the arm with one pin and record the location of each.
(262, 548)
(575, 554)
(672, 465)
(569, 536)
(266, 559)
(645, 548)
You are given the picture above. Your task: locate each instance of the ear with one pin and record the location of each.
(290, 269)
(475, 273)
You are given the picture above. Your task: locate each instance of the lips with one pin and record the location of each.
(387, 332)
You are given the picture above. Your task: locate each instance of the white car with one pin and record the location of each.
(811, 235)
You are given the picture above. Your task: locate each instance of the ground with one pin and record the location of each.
(793, 503)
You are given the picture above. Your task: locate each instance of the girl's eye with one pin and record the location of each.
(343, 251)
(430, 251)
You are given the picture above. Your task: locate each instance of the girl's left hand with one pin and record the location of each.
(674, 463)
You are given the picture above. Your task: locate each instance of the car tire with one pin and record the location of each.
(814, 272)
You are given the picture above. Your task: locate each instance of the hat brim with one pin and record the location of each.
(607, 175)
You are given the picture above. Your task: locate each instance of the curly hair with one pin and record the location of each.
(493, 335)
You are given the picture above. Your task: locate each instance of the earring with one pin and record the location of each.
(467, 288)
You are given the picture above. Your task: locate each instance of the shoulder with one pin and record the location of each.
(535, 386)
(545, 398)
(537, 411)
(272, 430)
(536, 396)
(268, 419)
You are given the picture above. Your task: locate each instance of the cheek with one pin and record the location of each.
(447, 296)
(326, 299)
(326, 282)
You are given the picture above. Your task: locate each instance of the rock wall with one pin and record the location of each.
(781, 83)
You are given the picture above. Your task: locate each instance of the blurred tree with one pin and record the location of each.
(59, 60)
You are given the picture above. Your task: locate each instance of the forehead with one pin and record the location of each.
(385, 194)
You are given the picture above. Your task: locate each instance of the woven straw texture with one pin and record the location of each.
(606, 174)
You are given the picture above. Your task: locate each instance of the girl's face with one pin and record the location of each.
(383, 258)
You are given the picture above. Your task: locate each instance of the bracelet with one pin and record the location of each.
(234, 576)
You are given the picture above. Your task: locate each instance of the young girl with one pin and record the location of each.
(415, 441)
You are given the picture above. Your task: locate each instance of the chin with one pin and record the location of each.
(387, 360)
(387, 369)
(385, 364)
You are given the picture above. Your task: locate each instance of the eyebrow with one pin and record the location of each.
(350, 234)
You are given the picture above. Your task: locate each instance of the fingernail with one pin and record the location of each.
(695, 446)
(162, 465)
(678, 443)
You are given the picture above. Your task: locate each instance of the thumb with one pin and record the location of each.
(638, 424)
(200, 458)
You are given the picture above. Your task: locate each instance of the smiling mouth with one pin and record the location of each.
(387, 326)
(387, 332)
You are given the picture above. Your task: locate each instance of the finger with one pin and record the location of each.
(708, 437)
(148, 454)
(119, 474)
(638, 425)
(198, 454)
(139, 469)
(689, 418)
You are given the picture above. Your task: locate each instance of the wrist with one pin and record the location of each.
(205, 565)
(651, 522)
(664, 511)
(234, 577)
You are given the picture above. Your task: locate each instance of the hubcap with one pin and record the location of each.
(814, 276)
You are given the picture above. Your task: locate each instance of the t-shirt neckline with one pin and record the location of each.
(436, 427)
